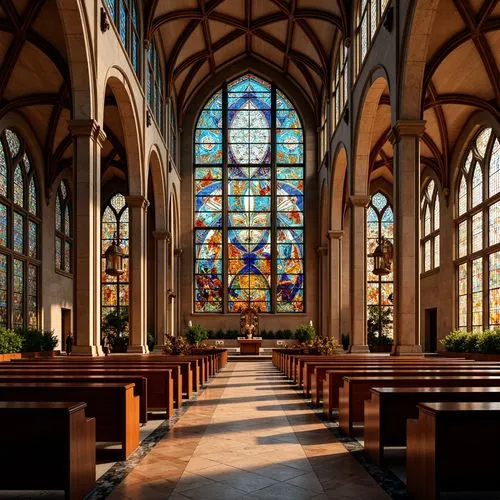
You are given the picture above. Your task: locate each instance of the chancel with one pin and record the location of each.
(249, 249)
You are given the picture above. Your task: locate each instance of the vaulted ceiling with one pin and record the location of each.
(199, 37)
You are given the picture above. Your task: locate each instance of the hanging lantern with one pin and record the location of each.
(114, 258)
(382, 258)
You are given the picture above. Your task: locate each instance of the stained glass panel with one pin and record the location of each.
(462, 197)
(462, 296)
(482, 141)
(32, 296)
(437, 259)
(18, 233)
(477, 186)
(3, 171)
(33, 197)
(18, 294)
(59, 253)
(494, 223)
(494, 284)
(4, 287)
(477, 232)
(477, 294)
(33, 239)
(13, 142)
(427, 255)
(427, 220)
(494, 171)
(436, 214)
(3, 225)
(462, 239)
(18, 186)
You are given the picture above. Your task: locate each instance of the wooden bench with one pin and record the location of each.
(114, 406)
(334, 379)
(389, 408)
(356, 391)
(159, 381)
(140, 384)
(453, 447)
(47, 446)
(315, 372)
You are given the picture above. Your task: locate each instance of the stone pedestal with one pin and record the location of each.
(88, 138)
(359, 342)
(405, 137)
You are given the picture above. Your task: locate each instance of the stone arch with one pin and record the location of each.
(156, 170)
(80, 61)
(375, 86)
(339, 168)
(418, 34)
(174, 216)
(117, 81)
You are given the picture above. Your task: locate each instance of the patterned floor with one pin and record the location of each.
(249, 435)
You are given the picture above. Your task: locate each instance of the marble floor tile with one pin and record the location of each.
(249, 435)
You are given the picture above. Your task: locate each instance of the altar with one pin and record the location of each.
(249, 346)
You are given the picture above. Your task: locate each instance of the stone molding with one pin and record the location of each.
(137, 201)
(402, 128)
(161, 235)
(359, 200)
(322, 250)
(335, 235)
(87, 128)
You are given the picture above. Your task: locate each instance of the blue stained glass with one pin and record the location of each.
(111, 7)
(123, 22)
(33, 239)
(59, 225)
(18, 186)
(18, 237)
(243, 263)
(3, 172)
(379, 201)
(3, 225)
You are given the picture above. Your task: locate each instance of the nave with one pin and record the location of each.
(249, 435)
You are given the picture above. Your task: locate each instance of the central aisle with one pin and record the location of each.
(249, 435)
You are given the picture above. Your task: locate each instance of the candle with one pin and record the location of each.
(190, 324)
(311, 323)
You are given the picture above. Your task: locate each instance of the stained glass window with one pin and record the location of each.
(249, 201)
(370, 14)
(19, 233)
(155, 85)
(478, 233)
(379, 223)
(115, 225)
(64, 229)
(430, 213)
(340, 85)
(125, 16)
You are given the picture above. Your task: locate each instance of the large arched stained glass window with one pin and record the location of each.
(115, 224)
(379, 289)
(249, 201)
(156, 100)
(478, 234)
(64, 231)
(19, 235)
(429, 218)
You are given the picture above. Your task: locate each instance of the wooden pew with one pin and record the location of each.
(159, 381)
(356, 391)
(453, 447)
(47, 446)
(315, 372)
(389, 408)
(334, 379)
(140, 384)
(114, 406)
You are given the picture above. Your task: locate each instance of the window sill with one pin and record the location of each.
(63, 273)
(430, 272)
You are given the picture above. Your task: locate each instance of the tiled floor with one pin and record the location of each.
(249, 435)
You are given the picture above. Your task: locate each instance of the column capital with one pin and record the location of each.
(414, 128)
(161, 235)
(335, 235)
(137, 201)
(360, 200)
(87, 128)
(321, 250)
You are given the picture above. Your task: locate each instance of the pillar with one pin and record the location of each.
(322, 252)
(359, 343)
(161, 328)
(335, 284)
(405, 137)
(137, 206)
(88, 138)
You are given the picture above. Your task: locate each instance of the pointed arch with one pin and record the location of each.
(155, 170)
(338, 183)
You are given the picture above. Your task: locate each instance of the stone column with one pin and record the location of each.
(137, 206)
(322, 252)
(405, 137)
(359, 203)
(88, 138)
(161, 244)
(335, 285)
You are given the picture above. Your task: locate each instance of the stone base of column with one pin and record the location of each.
(359, 349)
(158, 349)
(138, 349)
(406, 350)
(86, 350)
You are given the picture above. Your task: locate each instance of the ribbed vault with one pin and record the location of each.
(201, 36)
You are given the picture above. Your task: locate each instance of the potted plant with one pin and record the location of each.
(175, 345)
(196, 334)
(346, 340)
(379, 322)
(116, 328)
(305, 334)
(10, 344)
(48, 342)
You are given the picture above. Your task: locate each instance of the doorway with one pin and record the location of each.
(431, 330)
